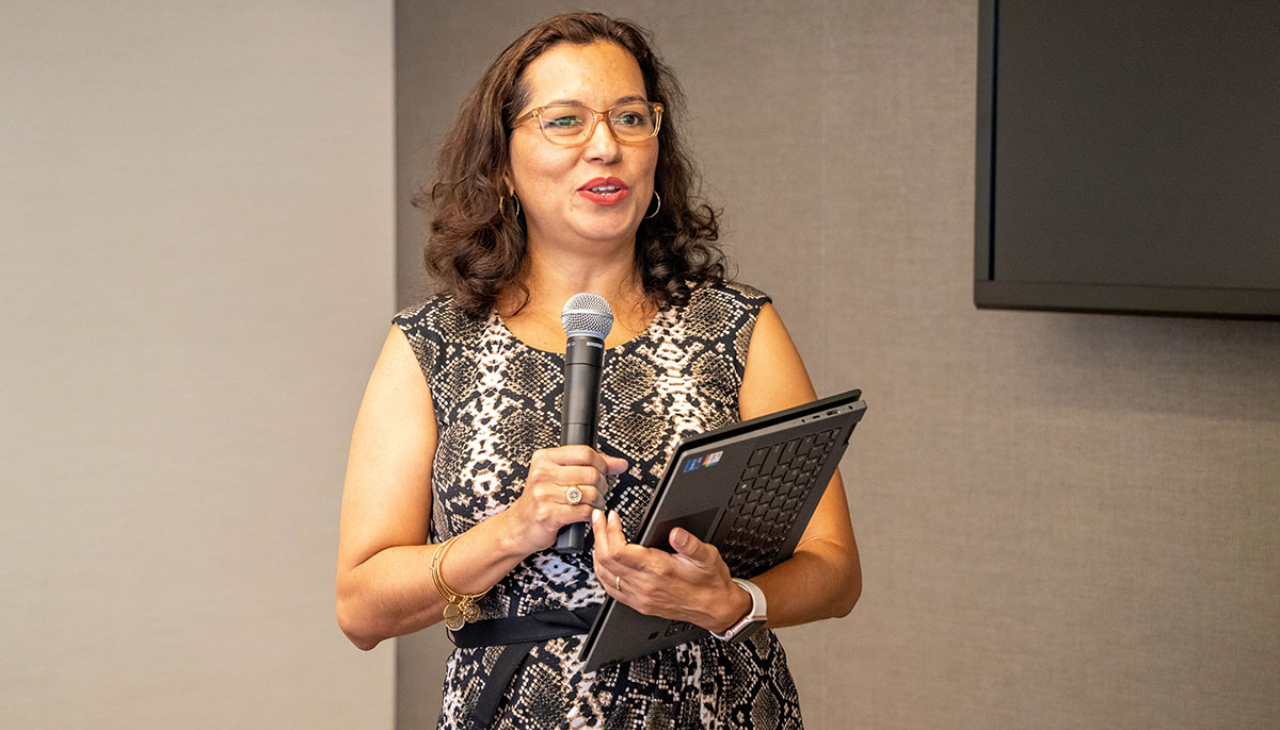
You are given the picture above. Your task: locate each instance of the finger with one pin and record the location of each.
(615, 528)
(700, 553)
(601, 534)
(576, 475)
(607, 541)
(576, 456)
(589, 496)
(579, 513)
(615, 466)
(587, 456)
(624, 556)
(593, 497)
(611, 583)
(615, 579)
(564, 512)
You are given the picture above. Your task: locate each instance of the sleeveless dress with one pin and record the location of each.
(496, 401)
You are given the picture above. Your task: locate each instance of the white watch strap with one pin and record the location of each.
(757, 612)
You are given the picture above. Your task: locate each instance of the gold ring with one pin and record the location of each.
(574, 495)
(617, 582)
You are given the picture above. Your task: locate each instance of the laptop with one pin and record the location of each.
(750, 489)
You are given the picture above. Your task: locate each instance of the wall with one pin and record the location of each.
(1066, 521)
(197, 271)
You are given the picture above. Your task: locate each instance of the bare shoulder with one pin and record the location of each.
(398, 364)
(775, 376)
(387, 496)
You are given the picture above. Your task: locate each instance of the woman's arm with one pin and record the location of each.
(822, 579)
(384, 585)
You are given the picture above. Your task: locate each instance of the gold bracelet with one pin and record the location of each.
(459, 609)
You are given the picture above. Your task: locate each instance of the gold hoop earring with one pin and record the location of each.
(502, 205)
(655, 210)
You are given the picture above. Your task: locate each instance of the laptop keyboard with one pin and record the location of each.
(767, 500)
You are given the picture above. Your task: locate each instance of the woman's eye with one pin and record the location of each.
(630, 119)
(563, 122)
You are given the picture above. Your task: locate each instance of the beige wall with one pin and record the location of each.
(197, 271)
(1066, 521)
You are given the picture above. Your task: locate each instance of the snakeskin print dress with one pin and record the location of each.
(497, 400)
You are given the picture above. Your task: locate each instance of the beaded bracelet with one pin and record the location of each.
(459, 609)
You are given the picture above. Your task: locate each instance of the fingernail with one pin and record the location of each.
(679, 537)
(596, 515)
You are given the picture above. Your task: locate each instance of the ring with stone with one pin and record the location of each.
(573, 494)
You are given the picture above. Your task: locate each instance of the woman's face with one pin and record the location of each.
(554, 182)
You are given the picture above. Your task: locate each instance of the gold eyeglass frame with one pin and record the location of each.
(595, 119)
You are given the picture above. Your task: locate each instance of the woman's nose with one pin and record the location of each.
(602, 145)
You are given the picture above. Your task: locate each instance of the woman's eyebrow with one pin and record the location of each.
(575, 102)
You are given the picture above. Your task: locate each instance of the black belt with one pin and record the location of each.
(517, 635)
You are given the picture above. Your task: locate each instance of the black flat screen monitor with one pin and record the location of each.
(1129, 157)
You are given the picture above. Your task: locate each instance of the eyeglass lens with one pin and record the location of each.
(572, 124)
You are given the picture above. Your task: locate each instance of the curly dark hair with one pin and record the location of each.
(477, 244)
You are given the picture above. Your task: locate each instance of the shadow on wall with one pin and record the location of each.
(1199, 368)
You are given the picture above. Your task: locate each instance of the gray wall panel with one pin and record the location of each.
(196, 273)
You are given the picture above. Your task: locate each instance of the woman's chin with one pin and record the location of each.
(607, 235)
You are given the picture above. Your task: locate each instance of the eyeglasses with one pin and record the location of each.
(570, 125)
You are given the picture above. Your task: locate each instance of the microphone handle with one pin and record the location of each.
(583, 361)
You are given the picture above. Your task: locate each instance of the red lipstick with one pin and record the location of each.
(604, 190)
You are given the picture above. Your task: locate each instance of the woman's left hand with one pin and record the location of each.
(693, 584)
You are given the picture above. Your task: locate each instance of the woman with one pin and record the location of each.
(565, 174)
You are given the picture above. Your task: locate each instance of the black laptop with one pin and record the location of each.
(749, 489)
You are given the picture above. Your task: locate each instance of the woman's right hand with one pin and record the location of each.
(543, 507)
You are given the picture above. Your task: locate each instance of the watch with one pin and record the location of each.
(753, 621)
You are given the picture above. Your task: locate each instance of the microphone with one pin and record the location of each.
(587, 320)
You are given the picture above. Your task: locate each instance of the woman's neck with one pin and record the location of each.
(551, 279)
(552, 276)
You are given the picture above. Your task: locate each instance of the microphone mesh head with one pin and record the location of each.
(587, 314)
